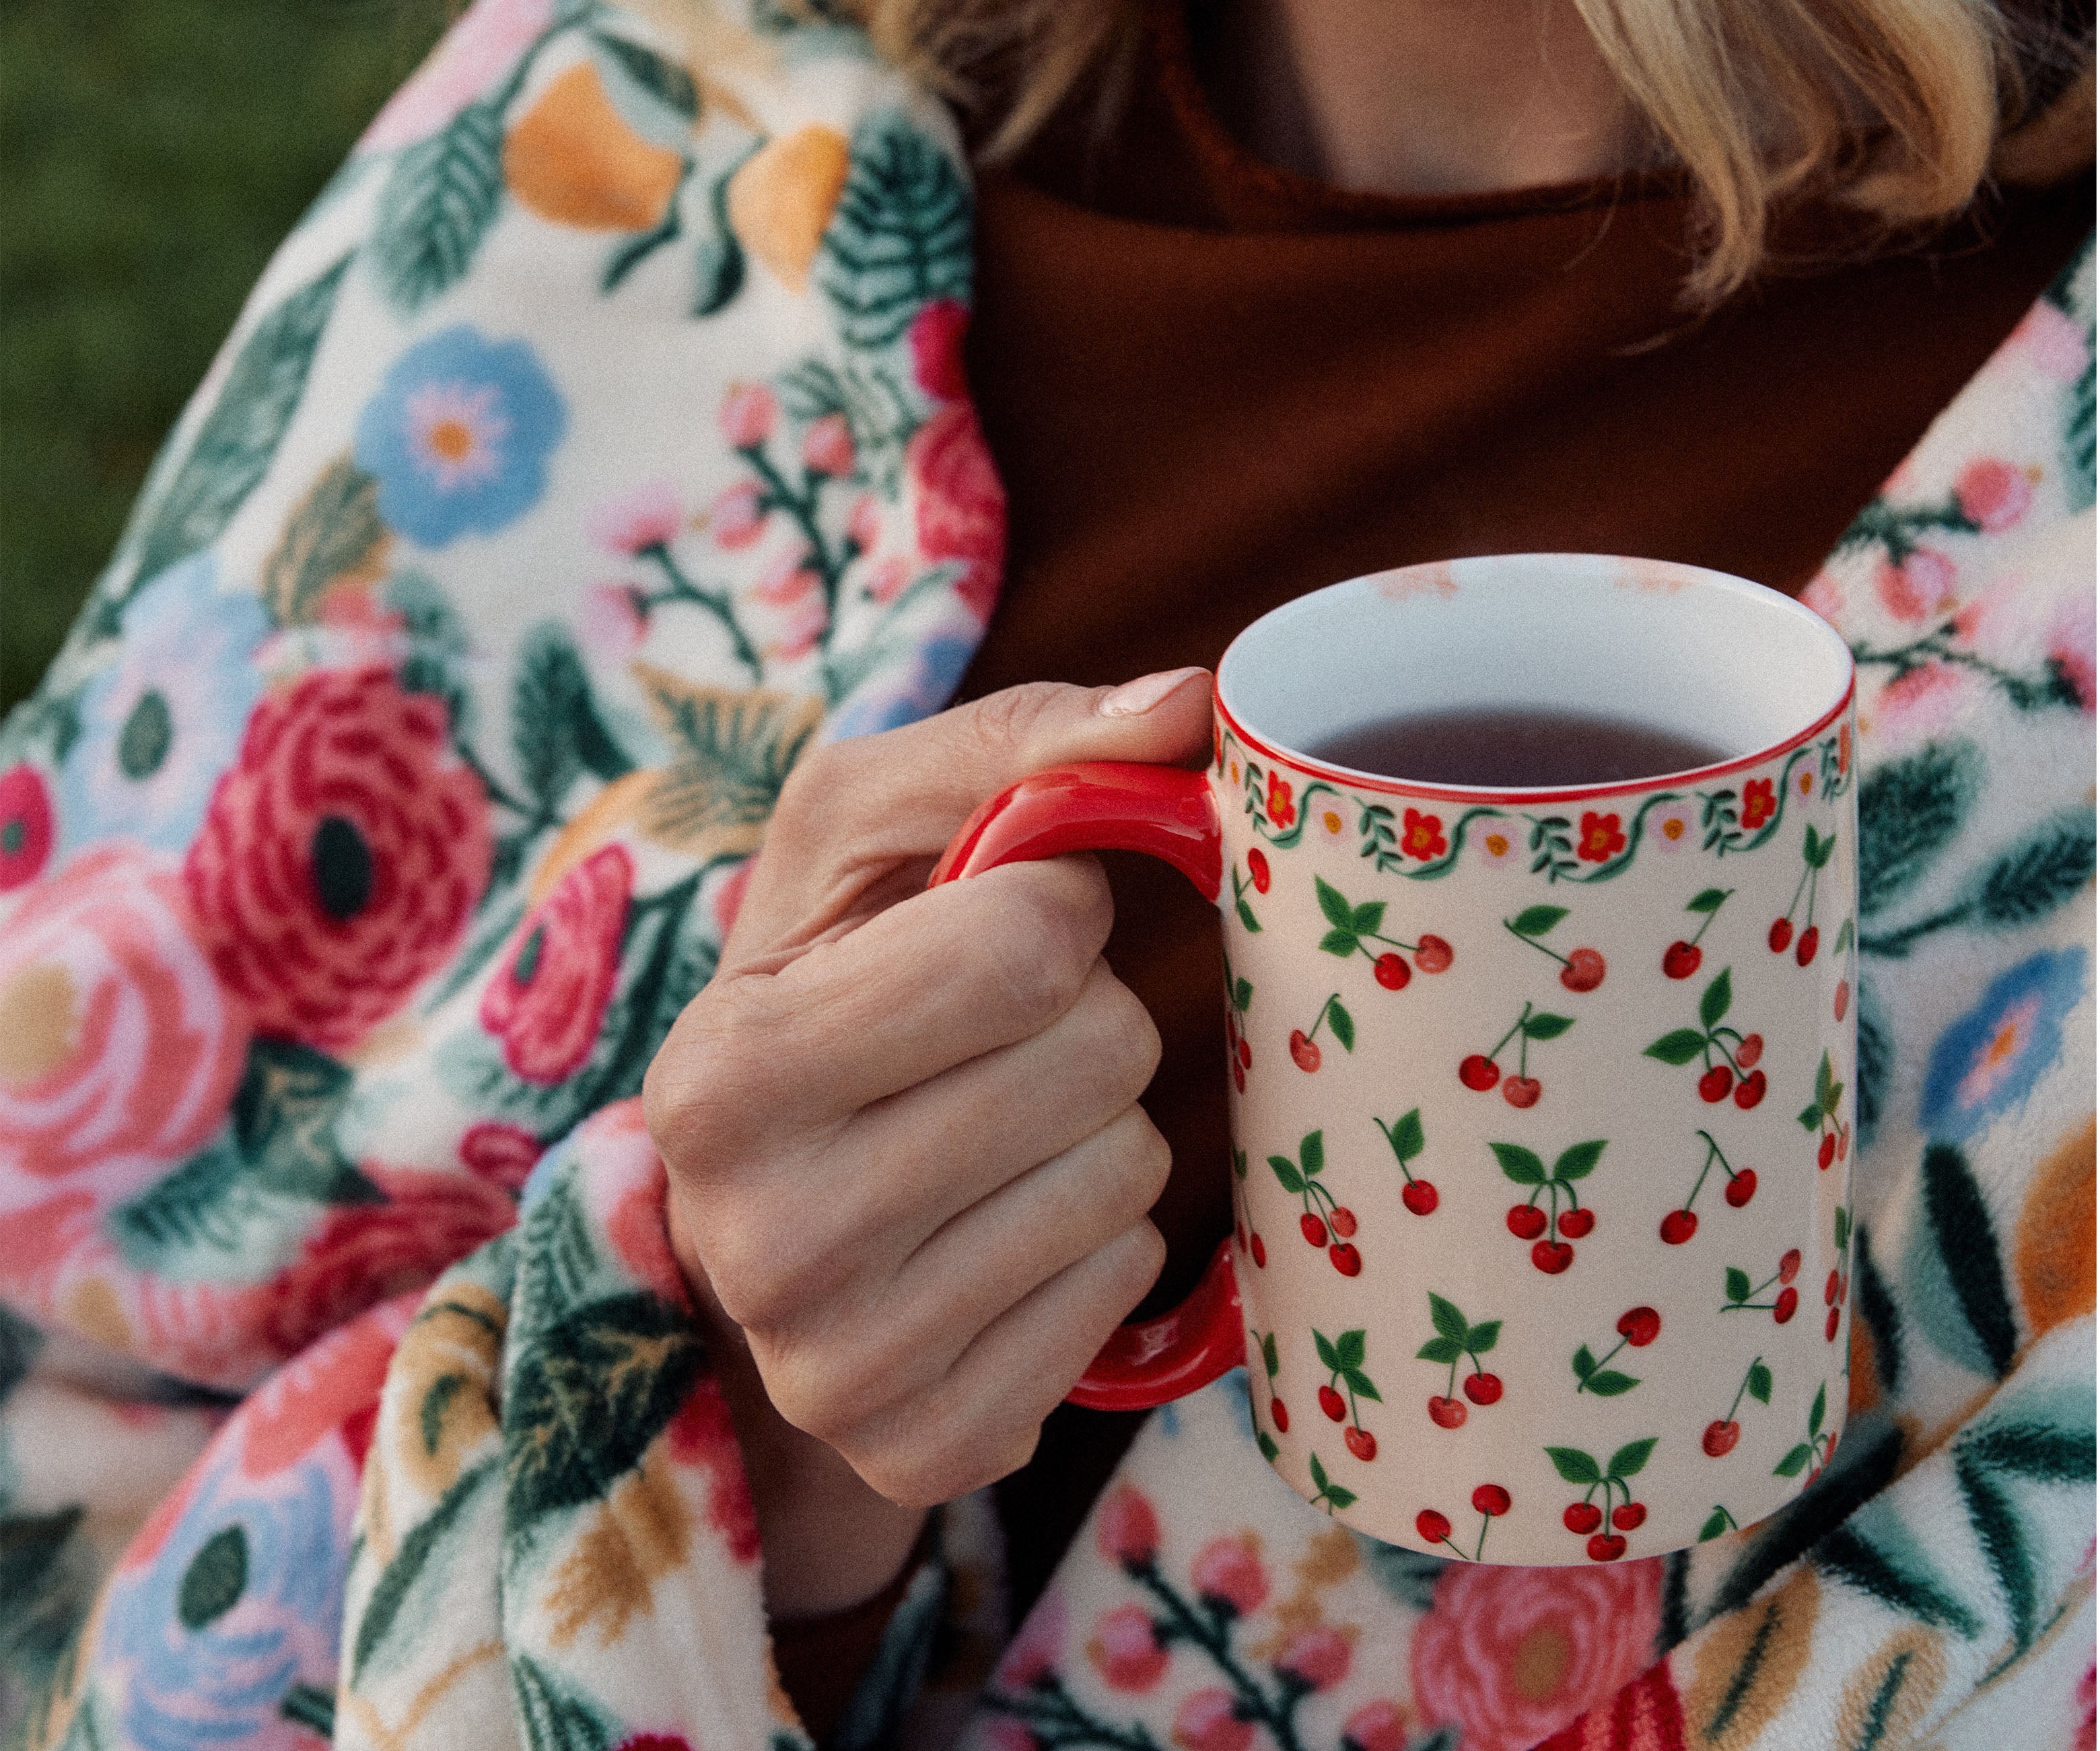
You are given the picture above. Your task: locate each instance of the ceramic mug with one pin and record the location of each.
(1541, 1098)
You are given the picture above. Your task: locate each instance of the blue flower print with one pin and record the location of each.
(1987, 1061)
(241, 1601)
(459, 436)
(936, 672)
(165, 719)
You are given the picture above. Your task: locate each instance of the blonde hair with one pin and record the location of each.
(1893, 108)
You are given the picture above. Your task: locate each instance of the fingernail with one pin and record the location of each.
(1134, 698)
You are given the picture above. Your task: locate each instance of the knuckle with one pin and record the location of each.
(959, 1459)
(1135, 1257)
(757, 1287)
(1007, 720)
(1143, 1160)
(818, 778)
(704, 1095)
(1062, 921)
(1124, 1039)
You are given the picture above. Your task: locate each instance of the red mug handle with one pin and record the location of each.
(1168, 813)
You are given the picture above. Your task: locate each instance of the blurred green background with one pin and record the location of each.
(152, 153)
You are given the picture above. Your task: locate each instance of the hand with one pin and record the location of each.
(908, 1173)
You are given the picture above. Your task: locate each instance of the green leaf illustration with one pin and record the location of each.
(1841, 1228)
(1680, 1047)
(1610, 1383)
(1815, 1411)
(1313, 1152)
(1584, 1363)
(1760, 1382)
(1628, 1461)
(1738, 1284)
(1519, 1164)
(1713, 1004)
(1246, 916)
(400, 1574)
(1547, 1026)
(1708, 900)
(1480, 1338)
(555, 730)
(1810, 1117)
(1820, 857)
(240, 436)
(1329, 1359)
(1242, 995)
(1350, 1347)
(1340, 942)
(1574, 1466)
(1336, 909)
(1717, 1522)
(1446, 1318)
(1441, 1351)
(1405, 1134)
(437, 205)
(1910, 811)
(1287, 1174)
(2051, 866)
(1344, 1024)
(1268, 1361)
(1267, 1443)
(1843, 939)
(1536, 921)
(1578, 1160)
(1341, 1497)
(1366, 918)
(663, 80)
(333, 530)
(900, 235)
(1319, 1472)
(1797, 1456)
(718, 268)
(1360, 1383)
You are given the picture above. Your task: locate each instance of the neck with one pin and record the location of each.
(1418, 97)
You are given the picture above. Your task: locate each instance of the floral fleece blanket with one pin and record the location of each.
(598, 442)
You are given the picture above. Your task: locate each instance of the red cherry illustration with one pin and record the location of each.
(1830, 1327)
(1742, 1188)
(1483, 1389)
(1419, 1196)
(1844, 997)
(1239, 1076)
(1303, 1052)
(1582, 1517)
(1389, 971)
(1246, 1054)
(1552, 1257)
(1628, 1515)
(1431, 1527)
(1342, 1221)
(1492, 1500)
(1680, 960)
(1640, 1327)
(1521, 1091)
(1280, 1416)
(1606, 1547)
(1826, 1151)
(1258, 867)
(1314, 1230)
(1749, 1050)
(1260, 1252)
(1720, 1438)
(1446, 1413)
(1804, 951)
(1584, 971)
(1345, 1258)
(1526, 1221)
(1790, 1264)
(1780, 935)
(1575, 1224)
(1714, 1085)
(1783, 1308)
(1433, 955)
(1478, 1072)
(1333, 1404)
(1844, 1141)
(1362, 1443)
(1830, 1290)
(1678, 1226)
(1750, 1090)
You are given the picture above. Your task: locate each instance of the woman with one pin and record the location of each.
(403, 883)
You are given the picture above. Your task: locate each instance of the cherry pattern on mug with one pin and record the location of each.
(1305, 1041)
(1551, 1230)
(1731, 1058)
(1737, 1284)
(1342, 1358)
(1491, 1501)
(1813, 1453)
(1683, 958)
(1456, 1337)
(1323, 1221)
(1239, 1049)
(1587, 1518)
(1279, 1412)
(1352, 929)
(1833, 1136)
(1680, 1224)
(1638, 1328)
(1479, 1071)
(1723, 1432)
(1404, 1135)
(1815, 851)
(1581, 968)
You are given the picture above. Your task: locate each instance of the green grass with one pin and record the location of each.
(153, 154)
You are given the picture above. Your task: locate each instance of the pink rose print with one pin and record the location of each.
(319, 1390)
(1380, 1726)
(1602, 839)
(500, 1152)
(1759, 804)
(547, 1001)
(1282, 811)
(937, 349)
(864, 523)
(2071, 641)
(962, 506)
(476, 51)
(116, 1043)
(1128, 1531)
(1509, 1654)
(1125, 1651)
(735, 516)
(827, 446)
(1320, 1656)
(703, 1435)
(1922, 701)
(340, 857)
(1921, 586)
(1422, 835)
(614, 623)
(748, 414)
(1228, 1570)
(1993, 494)
(648, 517)
(25, 825)
(1205, 1722)
(2051, 336)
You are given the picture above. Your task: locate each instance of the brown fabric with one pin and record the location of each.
(1211, 386)
(821, 1660)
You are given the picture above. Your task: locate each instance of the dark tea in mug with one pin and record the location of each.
(1507, 747)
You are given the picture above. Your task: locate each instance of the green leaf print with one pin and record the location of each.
(1578, 1161)
(1536, 921)
(1405, 1135)
(1759, 1383)
(900, 235)
(437, 205)
(1574, 1466)
(1680, 1046)
(1609, 1383)
(1442, 1351)
(1332, 906)
(1519, 1164)
(1342, 1023)
(718, 270)
(1313, 1152)
(333, 530)
(1547, 1026)
(240, 434)
(1973, 1275)
(555, 730)
(1629, 1459)
(1446, 1318)
(1287, 1174)
(398, 1578)
(663, 80)
(553, 1719)
(1713, 1002)
(1480, 1338)
(1341, 942)
(2038, 876)
(1910, 811)
(1708, 900)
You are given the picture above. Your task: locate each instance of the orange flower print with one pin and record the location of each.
(1805, 781)
(1422, 835)
(1759, 805)
(1844, 747)
(1601, 839)
(1282, 810)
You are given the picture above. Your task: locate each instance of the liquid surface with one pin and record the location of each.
(1499, 745)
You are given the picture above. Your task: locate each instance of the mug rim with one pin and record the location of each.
(1356, 779)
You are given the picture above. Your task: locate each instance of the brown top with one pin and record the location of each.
(1211, 386)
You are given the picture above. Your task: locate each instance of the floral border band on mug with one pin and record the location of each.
(1541, 1099)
